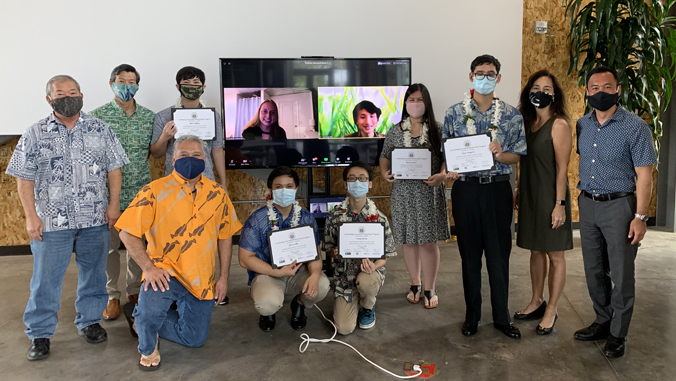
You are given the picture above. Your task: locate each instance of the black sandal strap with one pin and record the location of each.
(416, 289)
(429, 294)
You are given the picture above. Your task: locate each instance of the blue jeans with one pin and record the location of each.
(188, 326)
(50, 261)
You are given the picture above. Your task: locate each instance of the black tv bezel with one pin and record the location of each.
(335, 140)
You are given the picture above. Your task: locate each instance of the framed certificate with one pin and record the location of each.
(412, 163)
(200, 122)
(358, 240)
(468, 153)
(293, 244)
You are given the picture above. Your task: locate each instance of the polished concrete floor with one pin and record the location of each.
(238, 350)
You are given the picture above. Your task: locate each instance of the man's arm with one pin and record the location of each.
(224, 257)
(249, 261)
(156, 277)
(115, 184)
(162, 133)
(34, 226)
(218, 156)
(644, 186)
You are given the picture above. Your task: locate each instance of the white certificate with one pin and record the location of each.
(468, 153)
(293, 244)
(357, 240)
(200, 122)
(411, 163)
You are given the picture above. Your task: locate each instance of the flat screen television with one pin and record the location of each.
(309, 111)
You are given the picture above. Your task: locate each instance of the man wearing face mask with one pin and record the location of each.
(358, 281)
(61, 164)
(617, 156)
(190, 84)
(482, 201)
(305, 281)
(133, 126)
(188, 220)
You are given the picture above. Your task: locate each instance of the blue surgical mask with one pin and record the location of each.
(484, 86)
(189, 167)
(124, 92)
(358, 189)
(284, 197)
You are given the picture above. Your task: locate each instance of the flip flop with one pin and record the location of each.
(151, 368)
(429, 294)
(415, 290)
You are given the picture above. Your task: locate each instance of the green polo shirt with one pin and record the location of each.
(134, 132)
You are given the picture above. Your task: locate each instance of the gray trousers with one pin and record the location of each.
(608, 257)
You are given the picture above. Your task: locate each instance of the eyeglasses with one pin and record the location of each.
(362, 178)
(491, 76)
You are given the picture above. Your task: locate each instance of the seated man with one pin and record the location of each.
(365, 116)
(187, 219)
(306, 282)
(357, 280)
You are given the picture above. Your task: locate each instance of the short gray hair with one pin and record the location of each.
(60, 78)
(190, 138)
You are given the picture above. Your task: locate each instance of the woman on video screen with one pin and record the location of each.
(265, 123)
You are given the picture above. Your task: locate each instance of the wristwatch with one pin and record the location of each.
(561, 202)
(642, 217)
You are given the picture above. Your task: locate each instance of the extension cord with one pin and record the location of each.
(307, 340)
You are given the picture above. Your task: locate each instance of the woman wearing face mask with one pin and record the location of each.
(265, 123)
(542, 196)
(419, 217)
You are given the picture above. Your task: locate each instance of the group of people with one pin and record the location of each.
(84, 182)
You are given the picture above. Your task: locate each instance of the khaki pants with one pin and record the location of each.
(268, 292)
(134, 272)
(344, 313)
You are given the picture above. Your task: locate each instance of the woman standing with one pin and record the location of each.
(542, 195)
(419, 217)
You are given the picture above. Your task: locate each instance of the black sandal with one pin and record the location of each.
(415, 290)
(429, 294)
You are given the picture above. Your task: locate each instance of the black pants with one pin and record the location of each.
(483, 216)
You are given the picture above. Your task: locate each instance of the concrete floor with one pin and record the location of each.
(238, 350)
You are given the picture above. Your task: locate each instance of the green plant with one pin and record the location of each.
(635, 37)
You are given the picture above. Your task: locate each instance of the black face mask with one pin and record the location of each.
(191, 92)
(67, 106)
(540, 99)
(603, 101)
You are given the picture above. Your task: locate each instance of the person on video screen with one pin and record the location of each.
(265, 123)
(365, 116)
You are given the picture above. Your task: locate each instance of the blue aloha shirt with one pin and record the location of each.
(70, 169)
(511, 134)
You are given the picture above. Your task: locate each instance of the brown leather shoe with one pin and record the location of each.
(132, 298)
(112, 311)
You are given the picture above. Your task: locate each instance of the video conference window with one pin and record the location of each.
(269, 114)
(359, 112)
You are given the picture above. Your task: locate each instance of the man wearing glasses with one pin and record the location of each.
(482, 201)
(357, 280)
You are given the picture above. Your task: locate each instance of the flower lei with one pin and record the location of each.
(272, 216)
(469, 120)
(369, 205)
(406, 127)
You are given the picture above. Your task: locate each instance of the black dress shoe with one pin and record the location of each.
(93, 333)
(39, 349)
(615, 346)
(537, 314)
(469, 329)
(546, 331)
(594, 332)
(266, 323)
(509, 330)
(298, 318)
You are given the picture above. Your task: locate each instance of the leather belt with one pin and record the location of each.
(607, 196)
(484, 179)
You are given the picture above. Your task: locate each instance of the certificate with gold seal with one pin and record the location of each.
(358, 240)
(293, 244)
(411, 163)
(200, 122)
(468, 153)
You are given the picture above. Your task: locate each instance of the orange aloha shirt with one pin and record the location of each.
(183, 234)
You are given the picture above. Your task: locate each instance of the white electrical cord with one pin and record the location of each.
(307, 340)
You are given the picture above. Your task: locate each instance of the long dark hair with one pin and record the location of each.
(433, 129)
(528, 110)
(276, 132)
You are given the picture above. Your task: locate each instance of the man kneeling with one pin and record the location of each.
(357, 280)
(306, 282)
(187, 219)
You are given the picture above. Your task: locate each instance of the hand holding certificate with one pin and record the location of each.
(411, 163)
(294, 244)
(200, 122)
(468, 153)
(358, 240)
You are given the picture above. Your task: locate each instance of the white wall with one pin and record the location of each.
(86, 39)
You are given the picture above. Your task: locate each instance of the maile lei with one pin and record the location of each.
(406, 127)
(272, 216)
(469, 120)
(370, 206)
